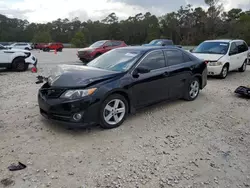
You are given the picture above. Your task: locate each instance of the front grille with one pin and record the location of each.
(82, 52)
(51, 93)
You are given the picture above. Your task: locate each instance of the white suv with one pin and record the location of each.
(16, 59)
(223, 56)
(20, 45)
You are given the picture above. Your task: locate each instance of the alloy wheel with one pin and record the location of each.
(114, 111)
(224, 72)
(194, 89)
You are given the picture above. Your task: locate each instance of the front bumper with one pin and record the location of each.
(85, 56)
(61, 110)
(214, 70)
(31, 60)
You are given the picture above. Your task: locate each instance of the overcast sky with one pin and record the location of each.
(48, 10)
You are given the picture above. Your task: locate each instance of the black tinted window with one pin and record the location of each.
(168, 43)
(108, 43)
(116, 43)
(154, 60)
(242, 47)
(1, 47)
(233, 49)
(175, 57)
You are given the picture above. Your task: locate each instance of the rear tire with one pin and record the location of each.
(27, 49)
(19, 64)
(114, 110)
(224, 72)
(243, 67)
(59, 50)
(97, 55)
(46, 49)
(192, 90)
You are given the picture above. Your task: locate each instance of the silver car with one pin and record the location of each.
(20, 45)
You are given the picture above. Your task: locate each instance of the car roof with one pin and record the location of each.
(223, 40)
(149, 48)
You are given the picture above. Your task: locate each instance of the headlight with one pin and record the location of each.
(218, 63)
(27, 54)
(76, 94)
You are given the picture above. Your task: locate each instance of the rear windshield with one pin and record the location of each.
(212, 48)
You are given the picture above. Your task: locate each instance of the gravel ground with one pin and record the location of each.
(199, 144)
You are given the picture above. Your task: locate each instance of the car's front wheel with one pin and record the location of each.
(224, 72)
(193, 89)
(113, 111)
(19, 64)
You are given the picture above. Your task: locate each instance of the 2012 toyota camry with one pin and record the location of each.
(120, 82)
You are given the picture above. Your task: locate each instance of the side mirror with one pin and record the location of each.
(191, 50)
(140, 70)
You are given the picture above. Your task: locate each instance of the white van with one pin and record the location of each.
(223, 56)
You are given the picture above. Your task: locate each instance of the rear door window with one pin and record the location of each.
(154, 60)
(116, 43)
(109, 44)
(233, 49)
(242, 47)
(175, 57)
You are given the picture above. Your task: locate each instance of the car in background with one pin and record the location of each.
(120, 82)
(223, 56)
(161, 42)
(53, 46)
(20, 45)
(98, 48)
(16, 59)
(39, 46)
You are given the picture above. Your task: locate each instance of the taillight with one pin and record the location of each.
(206, 62)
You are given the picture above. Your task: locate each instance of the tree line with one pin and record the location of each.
(187, 26)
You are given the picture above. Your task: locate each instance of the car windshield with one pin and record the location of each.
(119, 60)
(212, 48)
(2, 47)
(98, 43)
(155, 42)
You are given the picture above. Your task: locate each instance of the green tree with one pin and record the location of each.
(42, 37)
(78, 40)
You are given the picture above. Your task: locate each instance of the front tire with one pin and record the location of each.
(113, 112)
(19, 64)
(224, 72)
(192, 90)
(243, 67)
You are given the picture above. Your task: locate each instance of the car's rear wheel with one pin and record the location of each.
(97, 55)
(59, 50)
(46, 49)
(192, 90)
(19, 64)
(113, 111)
(26, 48)
(243, 67)
(224, 72)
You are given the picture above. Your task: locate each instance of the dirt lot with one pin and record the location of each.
(204, 143)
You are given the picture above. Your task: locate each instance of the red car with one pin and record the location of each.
(53, 46)
(98, 48)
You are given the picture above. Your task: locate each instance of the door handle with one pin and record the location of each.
(165, 74)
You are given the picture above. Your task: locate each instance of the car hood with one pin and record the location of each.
(86, 49)
(73, 76)
(208, 57)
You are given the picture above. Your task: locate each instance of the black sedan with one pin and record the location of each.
(120, 82)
